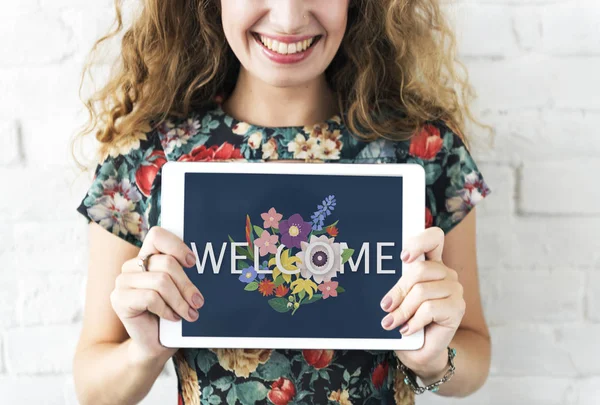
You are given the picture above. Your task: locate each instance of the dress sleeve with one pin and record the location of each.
(454, 184)
(124, 196)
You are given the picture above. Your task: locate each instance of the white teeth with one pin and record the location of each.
(283, 48)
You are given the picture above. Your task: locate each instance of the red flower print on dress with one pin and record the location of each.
(317, 358)
(215, 152)
(426, 143)
(145, 175)
(380, 374)
(282, 391)
(428, 217)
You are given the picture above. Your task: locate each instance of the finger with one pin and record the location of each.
(413, 273)
(167, 263)
(162, 283)
(419, 294)
(430, 242)
(131, 302)
(159, 240)
(446, 312)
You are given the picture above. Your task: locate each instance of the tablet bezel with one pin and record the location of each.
(413, 222)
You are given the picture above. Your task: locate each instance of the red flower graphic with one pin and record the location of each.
(428, 218)
(332, 231)
(281, 290)
(282, 391)
(266, 287)
(215, 152)
(380, 374)
(317, 358)
(145, 175)
(426, 143)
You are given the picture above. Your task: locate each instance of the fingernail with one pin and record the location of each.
(197, 300)
(404, 329)
(386, 302)
(176, 316)
(387, 321)
(190, 259)
(193, 313)
(404, 255)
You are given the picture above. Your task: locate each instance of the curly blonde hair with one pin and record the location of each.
(389, 78)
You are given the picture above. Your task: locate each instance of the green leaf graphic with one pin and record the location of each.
(258, 230)
(253, 286)
(340, 289)
(346, 255)
(315, 297)
(279, 304)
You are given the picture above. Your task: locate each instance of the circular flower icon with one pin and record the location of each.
(320, 258)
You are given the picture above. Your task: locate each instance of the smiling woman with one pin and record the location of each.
(194, 83)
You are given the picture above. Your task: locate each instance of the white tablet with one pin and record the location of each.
(292, 255)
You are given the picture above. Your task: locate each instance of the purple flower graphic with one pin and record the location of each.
(294, 230)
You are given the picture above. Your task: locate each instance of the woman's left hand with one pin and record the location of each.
(428, 295)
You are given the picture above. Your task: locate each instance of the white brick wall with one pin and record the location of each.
(534, 64)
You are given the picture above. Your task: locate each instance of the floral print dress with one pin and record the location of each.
(124, 198)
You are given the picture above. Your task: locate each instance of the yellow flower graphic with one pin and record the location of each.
(304, 284)
(288, 264)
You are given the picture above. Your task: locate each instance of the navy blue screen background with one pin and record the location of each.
(369, 208)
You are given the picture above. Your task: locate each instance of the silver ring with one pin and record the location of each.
(143, 262)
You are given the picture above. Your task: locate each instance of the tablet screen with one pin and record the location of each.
(325, 250)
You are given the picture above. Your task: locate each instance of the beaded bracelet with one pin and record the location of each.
(410, 377)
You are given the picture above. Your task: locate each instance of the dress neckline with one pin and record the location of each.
(335, 121)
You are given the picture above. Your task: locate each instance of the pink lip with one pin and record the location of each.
(285, 59)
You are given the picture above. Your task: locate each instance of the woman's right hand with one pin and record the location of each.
(165, 291)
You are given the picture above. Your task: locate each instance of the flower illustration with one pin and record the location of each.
(340, 396)
(304, 148)
(318, 358)
(294, 278)
(332, 231)
(215, 152)
(125, 144)
(472, 192)
(255, 140)
(241, 128)
(294, 230)
(145, 175)
(380, 374)
(242, 361)
(282, 391)
(303, 284)
(269, 149)
(271, 218)
(323, 210)
(428, 217)
(426, 143)
(266, 287)
(281, 291)
(288, 264)
(319, 258)
(116, 209)
(328, 289)
(267, 243)
(248, 275)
